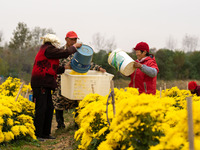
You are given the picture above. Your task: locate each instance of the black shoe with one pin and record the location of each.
(40, 139)
(48, 137)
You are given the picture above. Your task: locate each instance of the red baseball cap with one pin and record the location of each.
(142, 46)
(71, 34)
(192, 85)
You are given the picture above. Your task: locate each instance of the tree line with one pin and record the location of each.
(17, 56)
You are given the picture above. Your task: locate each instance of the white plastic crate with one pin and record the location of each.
(76, 87)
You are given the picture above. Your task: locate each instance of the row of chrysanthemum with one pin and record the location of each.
(141, 121)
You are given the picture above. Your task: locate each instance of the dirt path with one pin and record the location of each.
(64, 137)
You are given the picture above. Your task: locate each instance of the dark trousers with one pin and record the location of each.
(60, 119)
(43, 111)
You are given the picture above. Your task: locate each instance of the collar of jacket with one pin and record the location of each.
(141, 60)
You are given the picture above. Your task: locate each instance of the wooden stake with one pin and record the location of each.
(190, 123)
(19, 91)
(107, 110)
(113, 96)
(113, 100)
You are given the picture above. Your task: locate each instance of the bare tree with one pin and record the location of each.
(153, 50)
(171, 43)
(111, 44)
(38, 32)
(190, 43)
(100, 43)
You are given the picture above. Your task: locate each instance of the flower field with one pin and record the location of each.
(16, 117)
(141, 122)
(147, 122)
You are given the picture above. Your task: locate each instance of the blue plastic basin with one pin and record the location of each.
(82, 59)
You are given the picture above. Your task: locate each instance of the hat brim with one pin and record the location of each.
(73, 37)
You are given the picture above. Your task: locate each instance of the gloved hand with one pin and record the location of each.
(68, 66)
(77, 45)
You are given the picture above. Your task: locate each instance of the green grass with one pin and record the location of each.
(18, 145)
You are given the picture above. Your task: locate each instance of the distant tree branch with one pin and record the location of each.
(190, 43)
(100, 43)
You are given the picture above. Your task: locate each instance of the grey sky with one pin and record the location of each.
(128, 21)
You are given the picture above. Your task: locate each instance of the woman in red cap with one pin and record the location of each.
(194, 89)
(145, 76)
(60, 102)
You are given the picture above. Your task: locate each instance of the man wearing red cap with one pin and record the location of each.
(145, 76)
(61, 103)
(194, 88)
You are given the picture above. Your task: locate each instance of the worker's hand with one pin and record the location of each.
(137, 65)
(67, 66)
(102, 70)
(77, 45)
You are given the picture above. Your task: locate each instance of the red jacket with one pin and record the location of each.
(196, 91)
(44, 71)
(46, 65)
(143, 82)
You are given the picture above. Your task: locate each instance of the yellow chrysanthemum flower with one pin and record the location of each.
(10, 122)
(8, 136)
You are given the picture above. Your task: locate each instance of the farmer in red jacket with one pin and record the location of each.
(43, 81)
(194, 88)
(145, 75)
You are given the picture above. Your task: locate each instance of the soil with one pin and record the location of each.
(64, 137)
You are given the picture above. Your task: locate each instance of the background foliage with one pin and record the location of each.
(17, 56)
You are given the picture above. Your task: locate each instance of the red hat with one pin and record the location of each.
(71, 34)
(192, 85)
(142, 46)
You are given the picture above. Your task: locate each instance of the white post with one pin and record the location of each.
(19, 91)
(165, 86)
(160, 92)
(190, 123)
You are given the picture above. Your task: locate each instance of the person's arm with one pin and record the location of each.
(56, 53)
(152, 72)
(96, 67)
(61, 69)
